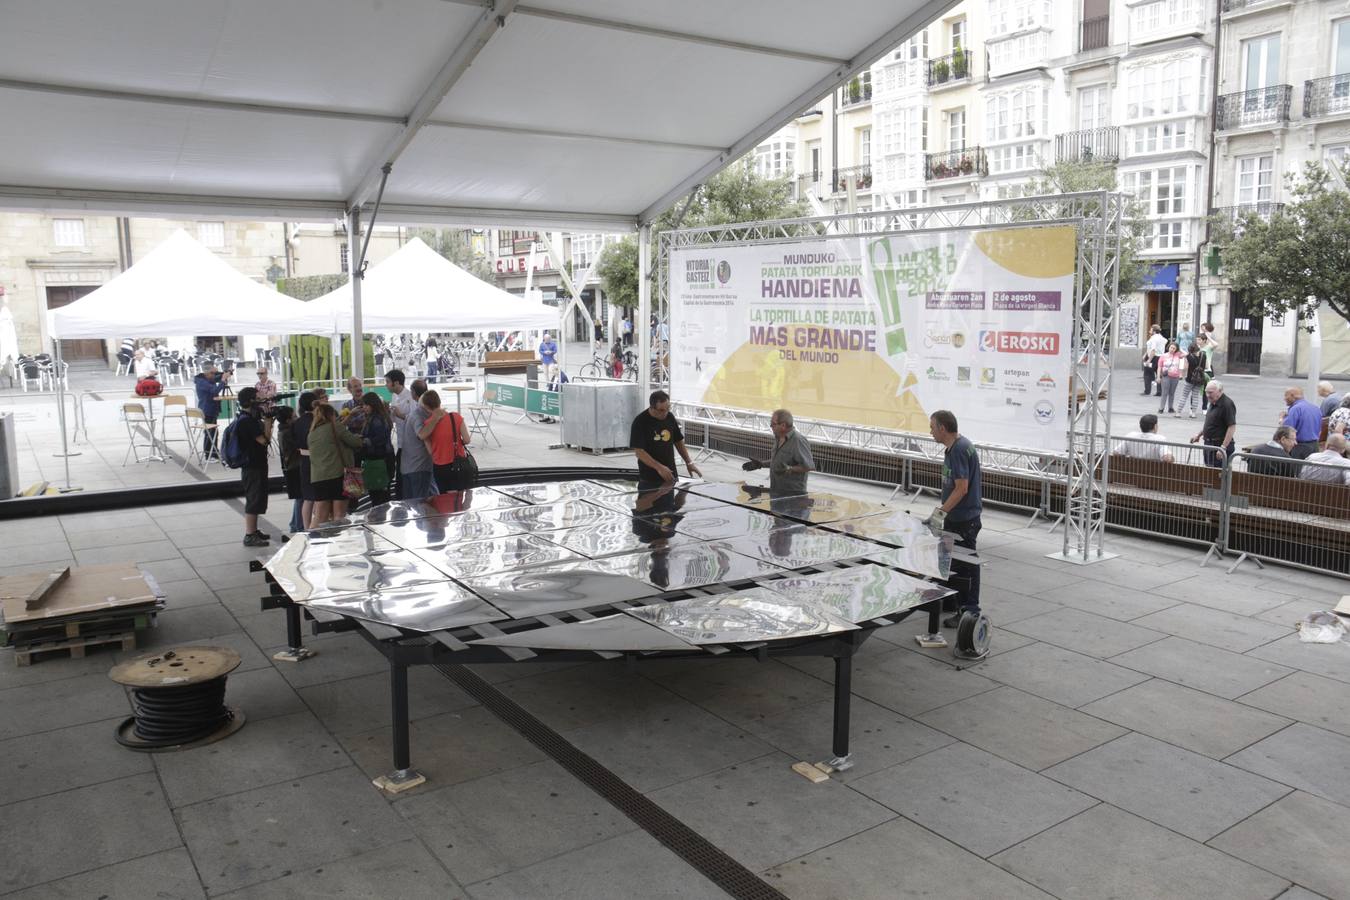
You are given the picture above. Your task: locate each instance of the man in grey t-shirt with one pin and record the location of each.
(791, 461)
(414, 468)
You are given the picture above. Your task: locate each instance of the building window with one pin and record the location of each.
(914, 48)
(773, 158)
(211, 234)
(342, 257)
(1092, 107)
(956, 34)
(1161, 191)
(1169, 236)
(956, 129)
(1255, 179)
(1014, 158)
(864, 146)
(1260, 62)
(1164, 89)
(1011, 16)
(1340, 42)
(1160, 15)
(1160, 138)
(1336, 154)
(1015, 114)
(68, 232)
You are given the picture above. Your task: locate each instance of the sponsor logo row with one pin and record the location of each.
(1035, 343)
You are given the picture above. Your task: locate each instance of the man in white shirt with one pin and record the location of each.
(1154, 348)
(1334, 455)
(1143, 444)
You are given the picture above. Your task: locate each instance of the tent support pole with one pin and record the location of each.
(356, 270)
(643, 324)
(66, 452)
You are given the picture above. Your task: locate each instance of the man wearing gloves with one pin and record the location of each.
(961, 505)
(791, 461)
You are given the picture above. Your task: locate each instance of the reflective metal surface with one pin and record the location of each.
(688, 566)
(617, 486)
(898, 529)
(553, 516)
(425, 607)
(448, 503)
(555, 588)
(798, 546)
(727, 521)
(618, 632)
(619, 535)
(860, 593)
(741, 617)
(429, 531)
(554, 491)
(318, 575)
(730, 492)
(926, 555)
(817, 507)
(347, 541)
(464, 559)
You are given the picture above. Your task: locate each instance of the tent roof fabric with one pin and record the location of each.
(581, 114)
(180, 287)
(417, 289)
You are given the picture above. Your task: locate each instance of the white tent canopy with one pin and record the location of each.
(578, 114)
(417, 289)
(181, 287)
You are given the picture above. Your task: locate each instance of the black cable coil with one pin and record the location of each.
(168, 716)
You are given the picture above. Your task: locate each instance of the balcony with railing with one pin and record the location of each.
(808, 185)
(861, 176)
(1263, 106)
(1094, 34)
(1237, 6)
(964, 163)
(855, 92)
(1233, 218)
(1089, 145)
(1326, 96)
(952, 69)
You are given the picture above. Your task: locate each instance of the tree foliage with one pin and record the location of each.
(1078, 176)
(1296, 258)
(456, 245)
(736, 194)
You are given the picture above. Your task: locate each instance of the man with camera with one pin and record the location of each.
(254, 431)
(210, 384)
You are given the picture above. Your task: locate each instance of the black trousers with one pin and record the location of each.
(1151, 375)
(1303, 449)
(965, 577)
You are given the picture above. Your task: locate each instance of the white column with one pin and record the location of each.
(354, 251)
(643, 325)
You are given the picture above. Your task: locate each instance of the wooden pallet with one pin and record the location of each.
(71, 629)
(24, 653)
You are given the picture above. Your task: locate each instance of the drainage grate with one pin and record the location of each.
(689, 845)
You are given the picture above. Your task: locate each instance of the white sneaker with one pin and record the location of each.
(1192, 414)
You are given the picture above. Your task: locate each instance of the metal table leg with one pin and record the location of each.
(404, 775)
(843, 693)
(295, 650)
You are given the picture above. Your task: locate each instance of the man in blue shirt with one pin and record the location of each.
(548, 356)
(209, 384)
(1306, 420)
(961, 506)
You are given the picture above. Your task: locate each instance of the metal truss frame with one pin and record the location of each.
(1097, 218)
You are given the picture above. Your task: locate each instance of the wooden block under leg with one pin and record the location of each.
(809, 772)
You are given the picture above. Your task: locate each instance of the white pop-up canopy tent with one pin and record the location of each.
(180, 287)
(417, 289)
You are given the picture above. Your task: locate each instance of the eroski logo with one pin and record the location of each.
(1043, 343)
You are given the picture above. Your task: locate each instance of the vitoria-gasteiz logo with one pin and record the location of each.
(1043, 343)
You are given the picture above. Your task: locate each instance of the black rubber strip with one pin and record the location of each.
(689, 845)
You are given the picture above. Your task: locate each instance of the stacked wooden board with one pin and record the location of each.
(71, 610)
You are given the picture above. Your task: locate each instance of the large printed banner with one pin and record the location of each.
(882, 331)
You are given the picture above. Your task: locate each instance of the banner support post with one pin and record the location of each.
(644, 311)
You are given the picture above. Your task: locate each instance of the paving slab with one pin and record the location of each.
(53, 761)
(746, 692)
(1021, 728)
(1184, 791)
(758, 811)
(449, 748)
(186, 592)
(1059, 675)
(1294, 611)
(1209, 669)
(667, 745)
(585, 695)
(1122, 601)
(1188, 718)
(55, 668)
(493, 825)
(1215, 627)
(1306, 697)
(1327, 660)
(228, 575)
(115, 537)
(1109, 853)
(878, 737)
(338, 656)
(1005, 607)
(1126, 571)
(1084, 632)
(262, 694)
(1304, 757)
(50, 837)
(262, 834)
(1001, 640)
(984, 803)
(267, 629)
(405, 870)
(905, 682)
(631, 865)
(1231, 593)
(352, 705)
(167, 570)
(897, 859)
(192, 623)
(1301, 838)
(47, 706)
(167, 874)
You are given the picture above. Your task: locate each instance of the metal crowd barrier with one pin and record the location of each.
(1297, 519)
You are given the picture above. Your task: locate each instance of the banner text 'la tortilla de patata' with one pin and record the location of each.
(883, 330)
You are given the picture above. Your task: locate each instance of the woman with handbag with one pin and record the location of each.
(447, 439)
(1171, 370)
(378, 450)
(1195, 380)
(332, 454)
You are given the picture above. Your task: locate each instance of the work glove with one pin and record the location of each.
(751, 465)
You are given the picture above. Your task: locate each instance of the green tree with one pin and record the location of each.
(1296, 258)
(736, 194)
(456, 245)
(1078, 176)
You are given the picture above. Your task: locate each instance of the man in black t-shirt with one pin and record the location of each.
(1220, 425)
(654, 438)
(255, 435)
